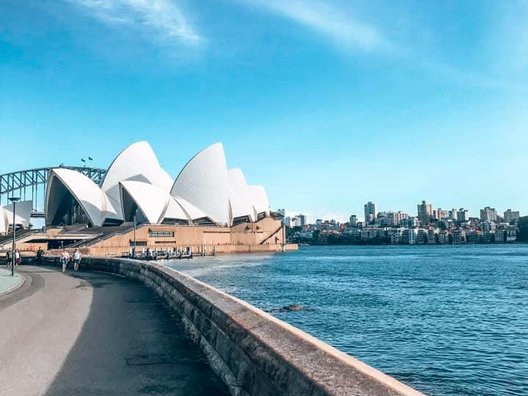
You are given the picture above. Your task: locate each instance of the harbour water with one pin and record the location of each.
(447, 320)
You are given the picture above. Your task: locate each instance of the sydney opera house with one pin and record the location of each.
(207, 206)
(135, 185)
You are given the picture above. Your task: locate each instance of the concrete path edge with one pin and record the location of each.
(21, 280)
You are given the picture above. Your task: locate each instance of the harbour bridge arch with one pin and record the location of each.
(31, 184)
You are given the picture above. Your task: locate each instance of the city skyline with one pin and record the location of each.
(361, 215)
(329, 104)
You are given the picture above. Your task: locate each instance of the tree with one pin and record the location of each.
(523, 229)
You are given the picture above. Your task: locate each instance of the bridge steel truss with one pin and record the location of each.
(31, 184)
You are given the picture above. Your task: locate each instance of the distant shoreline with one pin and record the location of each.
(412, 245)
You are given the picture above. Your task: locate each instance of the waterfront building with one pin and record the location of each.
(410, 236)
(301, 220)
(511, 234)
(473, 236)
(458, 237)
(421, 236)
(370, 212)
(487, 237)
(443, 237)
(396, 235)
(368, 234)
(135, 186)
(500, 236)
(511, 216)
(432, 235)
(488, 214)
(425, 212)
(353, 221)
(208, 206)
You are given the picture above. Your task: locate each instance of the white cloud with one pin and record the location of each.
(162, 18)
(329, 20)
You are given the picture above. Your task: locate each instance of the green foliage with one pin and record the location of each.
(523, 229)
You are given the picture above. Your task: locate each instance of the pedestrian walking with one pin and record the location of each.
(76, 259)
(18, 258)
(64, 258)
(40, 254)
(8, 258)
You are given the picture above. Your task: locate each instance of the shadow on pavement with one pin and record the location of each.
(132, 344)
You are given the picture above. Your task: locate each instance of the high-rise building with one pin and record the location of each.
(395, 218)
(400, 216)
(462, 215)
(440, 214)
(511, 215)
(301, 222)
(488, 214)
(425, 212)
(353, 221)
(370, 212)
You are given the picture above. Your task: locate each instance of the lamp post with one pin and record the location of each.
(14, 200)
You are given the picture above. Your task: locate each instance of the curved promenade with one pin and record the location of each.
(91, 333)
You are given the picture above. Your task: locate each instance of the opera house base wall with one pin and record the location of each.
(253, 352)
(265, 235)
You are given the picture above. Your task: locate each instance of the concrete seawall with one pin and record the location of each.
(253, 352)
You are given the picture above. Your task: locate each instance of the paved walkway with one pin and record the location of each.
(8, 282)
(95, 334)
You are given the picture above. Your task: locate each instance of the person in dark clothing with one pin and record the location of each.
(40, 254)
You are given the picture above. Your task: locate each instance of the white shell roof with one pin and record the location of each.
(155, 203)
(175, 211)
(259, 199)
(137, 162)
(92, 199)
(150, 199)
(3, 221)
(203, 183)
(22, 215)
(240, 199)
(192, 211)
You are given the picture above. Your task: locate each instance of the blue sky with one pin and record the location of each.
(328, 104)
